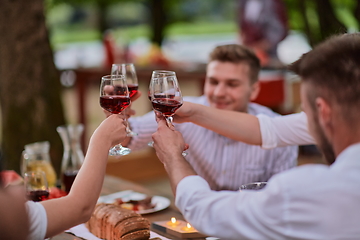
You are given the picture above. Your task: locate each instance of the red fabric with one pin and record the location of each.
(10, 177)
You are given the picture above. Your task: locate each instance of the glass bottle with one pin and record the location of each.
(73, 156)
(36, 157)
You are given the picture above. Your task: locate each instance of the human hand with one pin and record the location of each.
(112, 130)
(167, 141)
(183, 113)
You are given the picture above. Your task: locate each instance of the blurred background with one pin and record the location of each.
(53, 53)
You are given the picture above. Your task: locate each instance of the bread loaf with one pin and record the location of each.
(112, 222)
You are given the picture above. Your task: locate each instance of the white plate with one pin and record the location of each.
(160, 202)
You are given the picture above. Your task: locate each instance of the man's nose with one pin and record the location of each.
(220, 90)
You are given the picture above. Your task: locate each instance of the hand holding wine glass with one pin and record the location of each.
(36, 186)
(114, 98)
(128, 71)
(166, 97)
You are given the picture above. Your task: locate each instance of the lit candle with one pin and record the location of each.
(188, 228)
(173, 222)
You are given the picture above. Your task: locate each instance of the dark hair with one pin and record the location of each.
(333, 69)
(236, 53)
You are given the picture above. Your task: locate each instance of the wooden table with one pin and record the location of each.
(114, 184)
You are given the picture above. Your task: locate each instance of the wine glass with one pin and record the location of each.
(128, 71)
(36, 186)
(166, 97)
(253, 186)
(156, 74)
(114, 98)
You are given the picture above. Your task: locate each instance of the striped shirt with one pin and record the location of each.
(224, 163)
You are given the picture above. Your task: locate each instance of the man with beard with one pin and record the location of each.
(313, 201)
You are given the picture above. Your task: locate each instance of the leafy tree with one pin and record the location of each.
(319, 19)
(158, 18)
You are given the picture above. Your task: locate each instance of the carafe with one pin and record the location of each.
(36, 157)
(73, 156)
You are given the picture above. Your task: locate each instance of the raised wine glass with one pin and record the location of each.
(156, 74)
(114, 98)
(36, 186)
(166, 97)
(129, 72)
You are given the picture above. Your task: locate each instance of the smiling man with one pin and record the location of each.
(231, 84)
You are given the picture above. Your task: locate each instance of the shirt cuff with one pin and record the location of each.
(268, 136)
(187, 187)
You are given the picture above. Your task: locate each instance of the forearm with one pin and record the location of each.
(235, 125)
(177, 168)
(78, 205)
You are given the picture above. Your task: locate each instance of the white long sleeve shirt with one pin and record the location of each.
(224, 163)
(284, 130)
(313, 201)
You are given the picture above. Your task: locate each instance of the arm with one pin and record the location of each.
(260, 130)
(78, 205)
(235, 125)
(169, 145)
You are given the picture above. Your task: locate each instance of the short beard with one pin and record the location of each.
(324, 144)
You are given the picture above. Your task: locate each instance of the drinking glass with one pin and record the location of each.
(129, 72)
(36, 186)
(253, 186)
(166, 97)
(114, 98)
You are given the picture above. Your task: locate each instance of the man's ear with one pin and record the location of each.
(323, 112)
(255, 89)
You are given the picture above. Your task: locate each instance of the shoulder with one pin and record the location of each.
(255, 109)
(302, 176)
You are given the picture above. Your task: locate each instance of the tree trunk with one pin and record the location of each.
(357, 12)
(307, 30)
(329, 24)
(30, 90)
(158, 21)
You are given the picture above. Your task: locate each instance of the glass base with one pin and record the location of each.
(151, 144)
(119, 150)
(131, 134)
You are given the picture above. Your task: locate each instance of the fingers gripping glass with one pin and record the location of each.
(129, 72)
(114, 98)
(166, 97)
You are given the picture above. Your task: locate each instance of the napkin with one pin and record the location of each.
(83, 232)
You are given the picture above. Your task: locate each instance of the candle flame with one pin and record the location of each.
(188, 225)
(173, 220)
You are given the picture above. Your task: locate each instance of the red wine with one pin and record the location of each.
(38, 195)
(68, 178)
(114, 103)
(166, 106)
(133, 89)
(162, 96)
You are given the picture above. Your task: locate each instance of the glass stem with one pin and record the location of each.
(169, 121)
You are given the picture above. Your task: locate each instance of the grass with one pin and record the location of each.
(77, 34)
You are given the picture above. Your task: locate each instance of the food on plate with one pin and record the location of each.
(111, 221)
(136, 205)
